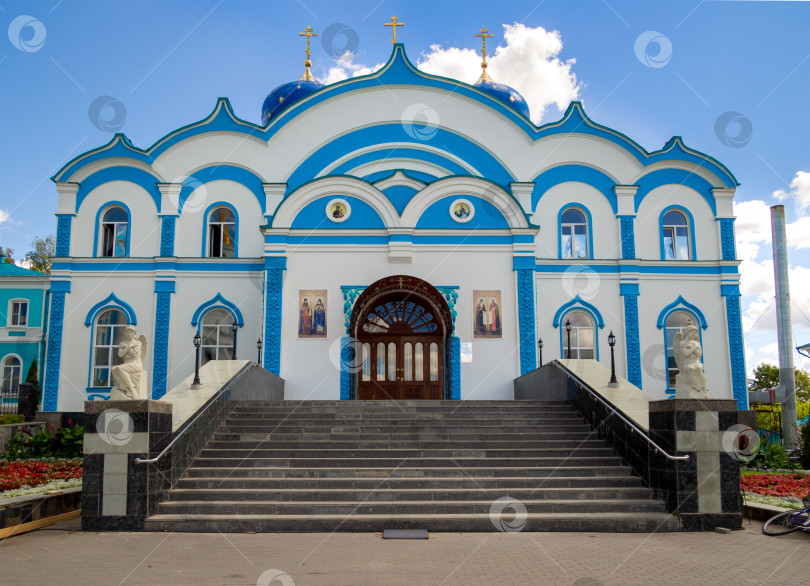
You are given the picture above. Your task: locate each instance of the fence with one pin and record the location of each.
(9, 400)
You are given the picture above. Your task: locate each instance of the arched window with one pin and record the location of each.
(573, 234)
(217, 336)
(676, 322)
(222, 233)
(114, 232)
(675, 236)
(12, 373)
(109, 331)
(583, 335)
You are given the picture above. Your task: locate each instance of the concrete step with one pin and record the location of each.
(500, 435)
(582, 522)
(359, 462)
(403, 507)
(407, 494)
(200, 470)
(396, 428)
(258, 441)
(579, 483)
(384, 452)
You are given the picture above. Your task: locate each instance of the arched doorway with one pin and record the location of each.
(401, 326)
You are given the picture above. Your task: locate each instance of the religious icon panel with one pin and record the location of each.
(486, 314)
(312, 313)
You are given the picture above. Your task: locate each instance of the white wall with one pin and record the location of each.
(305, 363)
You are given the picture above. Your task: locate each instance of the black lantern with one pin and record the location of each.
(259, 348)
(235, 329)
(197, 343)
(540, 351)
(568, 331)
(612, 342)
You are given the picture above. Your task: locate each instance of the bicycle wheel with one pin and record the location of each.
(785, 523)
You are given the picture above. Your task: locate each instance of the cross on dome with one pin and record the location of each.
(394, 24)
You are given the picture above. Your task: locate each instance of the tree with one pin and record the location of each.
(766, 376)
(7, 255)
(31, 378)
(40, 257)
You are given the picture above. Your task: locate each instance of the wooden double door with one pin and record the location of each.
(404, 367)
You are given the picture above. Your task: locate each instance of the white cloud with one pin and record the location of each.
(798, 233)
(4, 215)
(528, 62)
(799, 192)
(345, 67)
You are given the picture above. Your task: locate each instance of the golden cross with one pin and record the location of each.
(394, 24)
(308, 33)
(483, 35)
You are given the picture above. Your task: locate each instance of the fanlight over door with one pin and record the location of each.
(401, 346)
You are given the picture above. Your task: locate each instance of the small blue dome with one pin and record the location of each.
(505, 94)
(287, 94)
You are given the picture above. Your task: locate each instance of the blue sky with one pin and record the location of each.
(166, 62)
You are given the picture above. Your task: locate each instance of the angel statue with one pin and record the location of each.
(129, 378)
(690, 382)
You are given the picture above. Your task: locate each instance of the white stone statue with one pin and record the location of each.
(129, 378)
(690, 382)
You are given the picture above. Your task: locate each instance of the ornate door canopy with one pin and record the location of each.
(422, 292)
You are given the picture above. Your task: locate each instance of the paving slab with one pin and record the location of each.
(64, 554)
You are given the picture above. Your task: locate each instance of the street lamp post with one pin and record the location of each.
(568, 331)
(235, 329)
(259, 348)
(196, 384)
(540, 351)
(612, 342)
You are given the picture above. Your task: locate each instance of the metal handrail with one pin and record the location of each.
(190, 423)
(584, 386)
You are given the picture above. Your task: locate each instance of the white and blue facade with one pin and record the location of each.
(361, 141)
(23, 316)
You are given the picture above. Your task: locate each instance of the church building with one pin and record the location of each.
(398, 235)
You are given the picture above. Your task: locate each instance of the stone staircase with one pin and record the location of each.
(443, 466)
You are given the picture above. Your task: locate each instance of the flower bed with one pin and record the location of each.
(19, 473)
(779, 485)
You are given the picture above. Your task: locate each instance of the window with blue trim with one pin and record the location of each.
(574, 234)
(583, 335)
(677, 321)
(217, 335)
(221, 233)
(109, 331)
(114, 232)
(676, 236)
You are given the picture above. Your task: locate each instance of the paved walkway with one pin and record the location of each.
(62, 554)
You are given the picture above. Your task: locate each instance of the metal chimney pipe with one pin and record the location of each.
(784, 329)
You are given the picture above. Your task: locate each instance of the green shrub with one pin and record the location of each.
(7, 419)
(773, 456)
(67, 443)
(804, 446)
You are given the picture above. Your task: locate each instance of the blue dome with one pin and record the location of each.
(505, 94)
(286, 94)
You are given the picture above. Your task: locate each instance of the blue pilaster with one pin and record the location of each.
(735, 344)
(50, 392)
(631, 334)
(274, 280)
(455, 368)
(346, 363)
(628, 237)
(167, 235)
(163, 290)
(525, 295)
(63, 225)
(727, 238)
